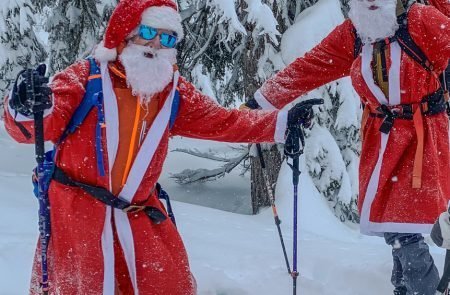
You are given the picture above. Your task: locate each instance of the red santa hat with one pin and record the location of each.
(128, 15)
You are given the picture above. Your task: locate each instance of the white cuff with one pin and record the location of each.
(280, 127)
(262, 101)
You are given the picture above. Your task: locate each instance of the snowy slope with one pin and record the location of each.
(230, 254)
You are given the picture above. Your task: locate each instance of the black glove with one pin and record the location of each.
(252, 104)
(34, 99)
(302, 113)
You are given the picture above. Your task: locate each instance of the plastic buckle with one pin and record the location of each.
(133, 209)
(424, 107)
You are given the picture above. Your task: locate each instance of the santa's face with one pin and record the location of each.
(374, 19)
(148, 66)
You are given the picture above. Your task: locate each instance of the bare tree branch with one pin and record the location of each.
(197, 153)
(200, 175)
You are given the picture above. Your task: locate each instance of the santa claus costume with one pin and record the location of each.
(97, 249)
(404, 171)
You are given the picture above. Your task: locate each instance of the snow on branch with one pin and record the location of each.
(200, 175)
(229, 15)
(262, 16)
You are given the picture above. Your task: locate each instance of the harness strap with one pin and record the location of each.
(106, 197)
(408, 45)
(162, 194)
(418, 157)
(431, 105)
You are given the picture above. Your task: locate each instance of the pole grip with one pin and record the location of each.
(39, 137)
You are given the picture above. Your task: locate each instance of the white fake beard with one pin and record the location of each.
(147, 76)
(374, 25)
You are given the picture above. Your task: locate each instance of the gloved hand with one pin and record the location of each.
(37, 99)
(302, 113)
(250, 104)
(440, 233)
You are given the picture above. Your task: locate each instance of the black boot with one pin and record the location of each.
(400, 290)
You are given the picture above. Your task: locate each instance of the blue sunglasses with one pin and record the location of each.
(149, 33)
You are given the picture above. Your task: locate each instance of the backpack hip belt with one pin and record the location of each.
(106, 197)
(431, 105)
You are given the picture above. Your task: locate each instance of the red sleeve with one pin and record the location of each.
(442, 5)
(331, 59)
(200, 117)
(68, 89)
(430, 29)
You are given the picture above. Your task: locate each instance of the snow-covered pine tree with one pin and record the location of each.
(19, 47)
(231, 54)
(333, 145)
(266, 21)
(75, 27)
(332, 151)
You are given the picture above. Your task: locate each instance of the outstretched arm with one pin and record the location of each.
(331, 59)
(200, 117)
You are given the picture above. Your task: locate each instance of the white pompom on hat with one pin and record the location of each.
(126, 17)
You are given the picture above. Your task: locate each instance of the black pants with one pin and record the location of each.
(414, 270)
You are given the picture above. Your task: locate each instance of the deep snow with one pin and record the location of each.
(230, 254)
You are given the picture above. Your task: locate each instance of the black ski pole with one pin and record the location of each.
(272, 204)
(445, 279)
(293, 148)
(44, 222)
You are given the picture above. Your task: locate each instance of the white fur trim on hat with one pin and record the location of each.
(163, 17)
(103, 54)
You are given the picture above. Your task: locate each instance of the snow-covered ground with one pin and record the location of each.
(230, 254)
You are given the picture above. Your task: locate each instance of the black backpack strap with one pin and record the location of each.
(163, 195)
(445, 78)
(358, 44)
(408, 45)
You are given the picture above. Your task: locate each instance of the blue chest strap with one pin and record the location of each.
(93, 97)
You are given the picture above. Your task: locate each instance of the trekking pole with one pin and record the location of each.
(445, 279)
(44, 219)
(272, 204)
(293, 148)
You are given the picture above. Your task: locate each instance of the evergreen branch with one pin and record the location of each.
(191, 10)
(204, 48)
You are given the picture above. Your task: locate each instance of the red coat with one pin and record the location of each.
(442, 5)
(387, 201)
(83, 248)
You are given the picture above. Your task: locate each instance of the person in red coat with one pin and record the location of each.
(405, 166)
(99, 249)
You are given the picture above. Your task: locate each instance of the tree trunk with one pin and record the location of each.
(259, 193)
(254, 48)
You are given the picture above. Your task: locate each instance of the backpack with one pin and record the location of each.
(408, 45)
(93, 98)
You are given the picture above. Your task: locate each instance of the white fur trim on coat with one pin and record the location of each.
(103, 54)
(163, 17)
